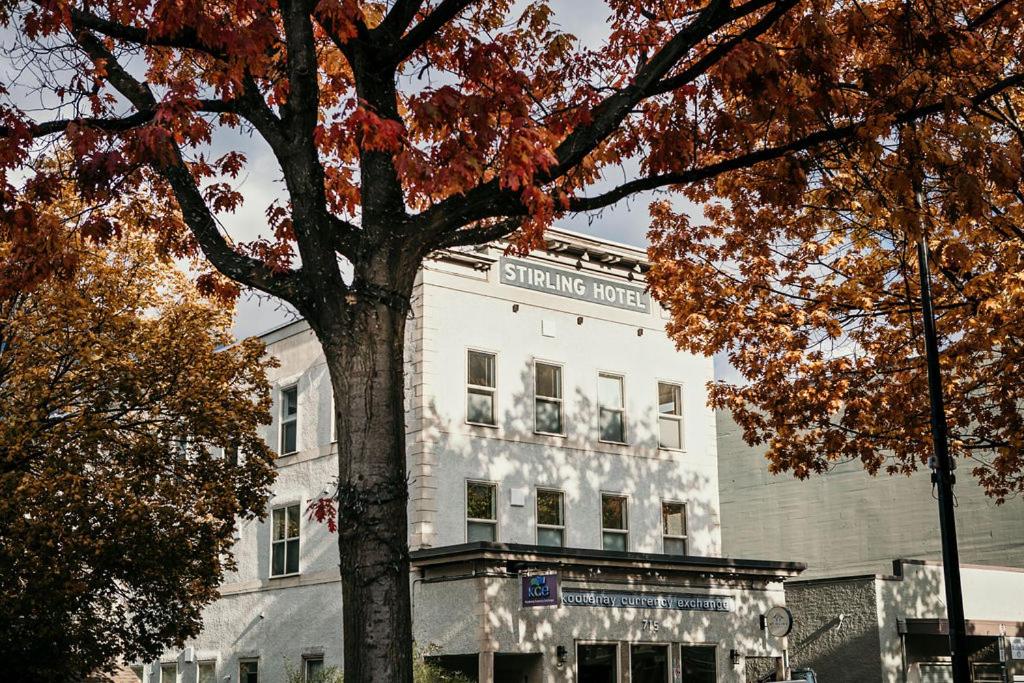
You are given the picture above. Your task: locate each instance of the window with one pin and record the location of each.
(611, 408)
(480, 388)
(597, 662)
(481, 514)
(207, 672)
(249, 671)
(698, 663)
(548, 398)
(168, 673)
(673, 525)
(550, 517)
(289, 420)
(284, 558)
(670, 416)
(314, 669)
(614, 522)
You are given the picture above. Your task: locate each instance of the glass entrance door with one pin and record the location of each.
(597, 663)
(648, 663)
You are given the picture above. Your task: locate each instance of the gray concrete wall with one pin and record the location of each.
(836, 629)
(848, 522)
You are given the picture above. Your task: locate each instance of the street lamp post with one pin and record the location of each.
(942, 476)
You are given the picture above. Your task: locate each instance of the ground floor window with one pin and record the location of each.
(314, 669)
(597, 663)
(648, 663)
(249, 671)
(698, 663)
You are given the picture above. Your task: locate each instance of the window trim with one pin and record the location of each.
(625, 522)
(537, 526)
(493, 390)
(678, 419)
(685, 538)
(281, 421)
(249, 660)
(560, 401)
(622, 409)
(177, 673)
(284, 541)
(465, 503)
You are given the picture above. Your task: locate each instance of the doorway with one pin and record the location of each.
(648, 663)
(597, 662)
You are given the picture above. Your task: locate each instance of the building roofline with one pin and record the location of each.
(488, 550)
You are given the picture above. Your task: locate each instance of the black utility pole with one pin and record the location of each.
(942, 476)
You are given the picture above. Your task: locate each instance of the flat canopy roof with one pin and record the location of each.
(548, 555)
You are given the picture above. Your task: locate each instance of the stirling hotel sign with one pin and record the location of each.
(560, 282)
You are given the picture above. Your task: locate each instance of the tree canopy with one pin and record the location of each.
(129, 451)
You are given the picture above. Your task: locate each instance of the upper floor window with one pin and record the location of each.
(284, 558)
(614, 522)
(207, 672)
(249, 671)
(670, 416)
(481, 511)
(548, 411)
(550, 517)
(673, 525)
(289, 420)
(480, 388)
(611, 408)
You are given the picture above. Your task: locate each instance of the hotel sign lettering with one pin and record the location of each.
(560, 282)
(578, 597)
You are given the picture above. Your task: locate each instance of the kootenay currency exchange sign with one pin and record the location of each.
(560, 282)
(578, 597)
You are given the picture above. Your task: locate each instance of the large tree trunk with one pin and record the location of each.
(364, 351)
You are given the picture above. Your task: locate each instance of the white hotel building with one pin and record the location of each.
(563, 505)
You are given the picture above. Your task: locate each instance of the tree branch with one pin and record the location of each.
(419, 34)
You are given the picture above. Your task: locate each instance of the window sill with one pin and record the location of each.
(671, 450)
(273, 577)
(613, 443)
(561, 436)
(482, 424)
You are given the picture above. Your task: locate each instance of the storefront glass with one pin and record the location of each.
(596, 663)
(698, 663)
(648, 663)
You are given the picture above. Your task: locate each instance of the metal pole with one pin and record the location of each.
(942, 475)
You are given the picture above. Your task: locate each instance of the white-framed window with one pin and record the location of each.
(548, 408)
(670, 416)
(481, 511)
(284, 543)
(614, 522)
(312, 669)
(289, 420)
(249, 671)
(481, 386)
(168, 673)
(550, 517)
(673, 526)
(207, 672)
(611, 408)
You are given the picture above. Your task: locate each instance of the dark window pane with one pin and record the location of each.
(290, 401)
(669, 399)
(480, 407)
(480, 501)
(612, 427)
(597, 663)
(480, 531)
(614, 541)
(648, 664)
(613, 512)
(549, 416)
(481, 369)
(292, 563)
(675, 546)
(314, 668)
(249, 672)
(277, 559)
(549, 507)
(698, 664)
(673, 519)
(288, 437)
(293, 521)
(552, 537)
(279, 524)
(549, 380)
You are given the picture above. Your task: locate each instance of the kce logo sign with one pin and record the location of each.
(540, 589)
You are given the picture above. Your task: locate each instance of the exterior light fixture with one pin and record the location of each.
(579, 320)
(515, 308)
(640, 332)
(735, 657)
(562, 654)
